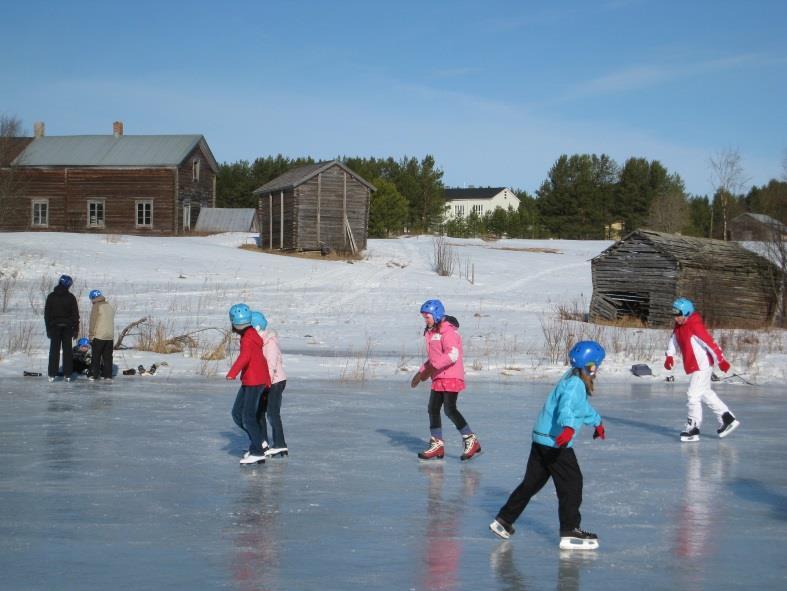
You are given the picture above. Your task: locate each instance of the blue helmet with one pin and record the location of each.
(435, 308)
(240, 315)
(83, 342)
(585, 354)
(66, 281)
(258, 320)
(96, 293)
(682, 307)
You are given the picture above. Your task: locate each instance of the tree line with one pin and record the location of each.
(584, 196)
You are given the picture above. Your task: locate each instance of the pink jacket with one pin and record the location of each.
(272, 355)
(444, 357)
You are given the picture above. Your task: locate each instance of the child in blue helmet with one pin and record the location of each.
(102, 334)
(566, 409)
(691, 339)
(61, 317)
(444, 366)
(255, 377)
(270, 406)
(82, 356)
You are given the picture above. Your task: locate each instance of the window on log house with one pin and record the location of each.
(144, 214)
(95, 214)
(40, 213)
(195, 170)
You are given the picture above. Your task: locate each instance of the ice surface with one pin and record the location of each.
(136, 485)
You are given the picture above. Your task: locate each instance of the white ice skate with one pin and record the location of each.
(275, 452)
(250, 458)
(729, 424)
(691, 432)
(578, 539)
(502, 529)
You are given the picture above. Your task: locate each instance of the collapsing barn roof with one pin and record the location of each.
(641, 275)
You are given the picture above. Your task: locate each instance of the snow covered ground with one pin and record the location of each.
(336, 320)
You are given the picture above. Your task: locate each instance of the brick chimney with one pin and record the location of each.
(38, 128)
(117, 128)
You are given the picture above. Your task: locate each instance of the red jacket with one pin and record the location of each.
(693, 339)
(251, 362)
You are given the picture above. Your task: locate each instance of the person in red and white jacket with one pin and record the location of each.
(700, 352)
(445, 368)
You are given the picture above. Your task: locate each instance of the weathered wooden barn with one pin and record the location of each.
(314, 206)
(130, 184)
(642, 274)
(757, 227)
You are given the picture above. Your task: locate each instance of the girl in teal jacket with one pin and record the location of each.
(566, 409)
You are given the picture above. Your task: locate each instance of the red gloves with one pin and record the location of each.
(599, 432)
(724, 365)
(669, 362)
(564, 437)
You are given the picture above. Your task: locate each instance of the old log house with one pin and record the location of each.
(129, 184)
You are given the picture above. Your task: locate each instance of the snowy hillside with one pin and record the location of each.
(336, 319)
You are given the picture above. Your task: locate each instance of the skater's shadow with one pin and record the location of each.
(405, 440)
(755, 491)
(658, 429)
(236, 443)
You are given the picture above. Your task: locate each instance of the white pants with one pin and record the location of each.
(699, 392)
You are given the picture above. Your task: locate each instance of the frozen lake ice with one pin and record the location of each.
(136, 485)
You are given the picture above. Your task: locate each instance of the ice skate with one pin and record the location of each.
(502, 528)
(250, 458)
(691, 432)
(472, 447)
(50, 379)
(141, 370)
(729, 424)
(152, 369)
(436, 450)
(578, 539)
(276, 452)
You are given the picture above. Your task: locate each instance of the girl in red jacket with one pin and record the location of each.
(445, 368)
(255, 378)
(699, 351)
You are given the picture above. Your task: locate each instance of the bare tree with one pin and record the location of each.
(668, 212)
(727, 178)
(11, 184)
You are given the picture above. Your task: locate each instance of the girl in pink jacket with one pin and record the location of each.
(270, 405)
(444, 366)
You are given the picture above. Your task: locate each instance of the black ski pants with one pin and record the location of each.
(545, 462)
(101, 363)
(60, 337)
(446, 400)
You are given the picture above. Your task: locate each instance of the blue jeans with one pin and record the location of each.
(271, 406)
(244, 413)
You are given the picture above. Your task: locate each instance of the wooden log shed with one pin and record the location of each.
(641, 275)
(314, 206)
(130, 184)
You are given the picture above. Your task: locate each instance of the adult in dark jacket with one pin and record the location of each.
(61, 316)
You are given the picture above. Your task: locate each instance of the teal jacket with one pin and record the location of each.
(566, 406)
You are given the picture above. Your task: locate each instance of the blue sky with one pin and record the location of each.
(496, 91)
